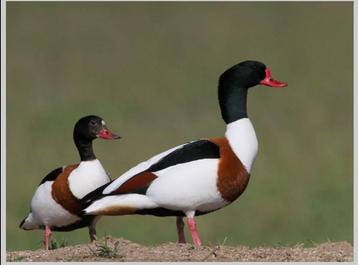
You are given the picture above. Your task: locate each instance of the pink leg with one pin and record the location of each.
(47, 236)
(193, 231)
(180, 228)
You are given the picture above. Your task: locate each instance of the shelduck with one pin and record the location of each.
(55, 205)
(197, 177)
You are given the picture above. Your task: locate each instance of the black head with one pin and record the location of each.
(248, 74)
(91, 127)
(233, 86)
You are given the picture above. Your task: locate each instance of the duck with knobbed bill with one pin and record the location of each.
(55, 205)
(197, 177)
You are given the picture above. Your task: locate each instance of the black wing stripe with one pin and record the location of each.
(200, 149)
(52, 175)
(93, 195)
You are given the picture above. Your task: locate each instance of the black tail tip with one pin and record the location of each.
(22, 222)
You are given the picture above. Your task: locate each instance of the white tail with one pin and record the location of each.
(134, 201)
(29, 223)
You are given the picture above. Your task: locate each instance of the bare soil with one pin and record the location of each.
(119, 249)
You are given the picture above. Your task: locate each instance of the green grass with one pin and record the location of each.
(54, 244)
(106, 251)
(151, 70)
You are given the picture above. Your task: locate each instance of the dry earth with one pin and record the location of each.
(129, 251)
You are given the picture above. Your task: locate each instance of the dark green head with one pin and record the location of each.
(234, 83)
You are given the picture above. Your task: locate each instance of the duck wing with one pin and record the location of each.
(138, 178)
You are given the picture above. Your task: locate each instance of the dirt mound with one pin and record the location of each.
(113, 249)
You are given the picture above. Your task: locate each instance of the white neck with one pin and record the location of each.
(242, 138)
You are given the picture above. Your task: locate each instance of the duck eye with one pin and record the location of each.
(92, 122)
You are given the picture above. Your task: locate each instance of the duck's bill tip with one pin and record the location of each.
(108, 135)
(273, 83)
(269, 81)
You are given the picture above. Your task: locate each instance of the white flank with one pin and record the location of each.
(46, 211)
(187, 186)
(126, 200)
(88, 176)
(137, 169)
(243, 141)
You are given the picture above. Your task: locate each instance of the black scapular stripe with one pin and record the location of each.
(52, 175)
(200, 149)
(93, 195)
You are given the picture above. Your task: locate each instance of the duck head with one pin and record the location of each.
(248, 74)
(86, 130)
(234, 84)
(91, 127)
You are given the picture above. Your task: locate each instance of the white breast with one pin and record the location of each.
(88, 176)
(242, 138)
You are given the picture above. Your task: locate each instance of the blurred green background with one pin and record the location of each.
(151, 70)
